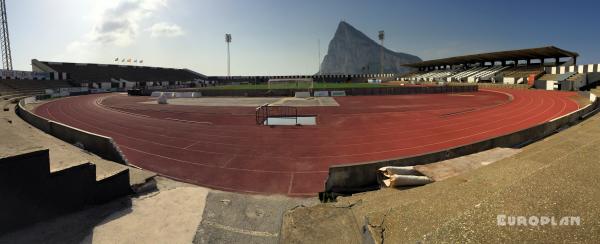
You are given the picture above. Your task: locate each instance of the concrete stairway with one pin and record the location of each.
(576, 77)
(31, 192)
(549, 77)
(42, 177)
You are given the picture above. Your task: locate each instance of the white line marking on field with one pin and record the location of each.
(240, 231)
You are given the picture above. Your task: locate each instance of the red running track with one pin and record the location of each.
(222, 148)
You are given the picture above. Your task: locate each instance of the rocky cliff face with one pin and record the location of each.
(352, 52)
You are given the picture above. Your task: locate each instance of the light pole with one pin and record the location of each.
(228, 40)
(381, 37)
(4, 39)
(319, 58)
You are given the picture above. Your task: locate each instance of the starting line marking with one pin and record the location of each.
(190, 121)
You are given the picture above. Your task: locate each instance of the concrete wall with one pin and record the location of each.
(33, 119)
(582, 68)
(354, 178)
(112, 187)
(97, 144)
(500, 85)
(395, 90)
(357, 78)
(593, 77)
(544, 84)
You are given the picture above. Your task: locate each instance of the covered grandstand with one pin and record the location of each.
(508, 67)
(117, 76)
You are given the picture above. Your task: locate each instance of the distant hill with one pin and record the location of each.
(353, 52)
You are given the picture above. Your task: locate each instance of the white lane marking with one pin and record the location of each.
(240, 231)
(190, 121)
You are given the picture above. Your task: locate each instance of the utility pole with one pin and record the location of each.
(228, 40)
(381, 37)
(4, 38)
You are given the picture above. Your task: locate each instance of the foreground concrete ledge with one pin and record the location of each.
(102, 146)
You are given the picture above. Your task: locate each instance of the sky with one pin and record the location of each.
(281, 37)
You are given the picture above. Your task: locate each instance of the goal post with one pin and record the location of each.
(301, 84)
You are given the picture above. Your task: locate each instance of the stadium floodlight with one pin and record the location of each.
(228, 40)
(4, 38)
(319, 57)
(381, 37)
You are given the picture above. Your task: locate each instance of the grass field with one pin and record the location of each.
(293, 86)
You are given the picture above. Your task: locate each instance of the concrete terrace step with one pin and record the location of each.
(64, 155)
(55, 176)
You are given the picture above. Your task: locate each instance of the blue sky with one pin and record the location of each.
(281, 36)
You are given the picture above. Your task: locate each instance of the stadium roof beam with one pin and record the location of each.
(503, 56)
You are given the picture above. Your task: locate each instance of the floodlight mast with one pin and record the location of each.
(228, 40)
(4, 38)
(381, 38)
(319, 58)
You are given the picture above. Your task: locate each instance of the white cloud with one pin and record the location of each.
(116, 24)
(165, 30)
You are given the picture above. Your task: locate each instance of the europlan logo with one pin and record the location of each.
(508, 220)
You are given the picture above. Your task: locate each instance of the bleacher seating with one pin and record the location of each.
(104, 73)
(411, 75)
(13, 90)
(476, 74)
(550, 77)
(464, 74)
(434, 75)
(576, 77)
(486, 74)
(523, 71)
(29, 87)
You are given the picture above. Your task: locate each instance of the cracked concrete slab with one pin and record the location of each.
(167, 216)
(242, 218)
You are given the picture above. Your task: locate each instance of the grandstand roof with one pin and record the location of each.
(84, 72)
(521, 54)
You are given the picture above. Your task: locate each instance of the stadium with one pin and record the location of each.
(413, 156)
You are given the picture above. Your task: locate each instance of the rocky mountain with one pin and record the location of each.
(353, 52)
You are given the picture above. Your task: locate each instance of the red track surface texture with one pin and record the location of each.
(222, 148)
